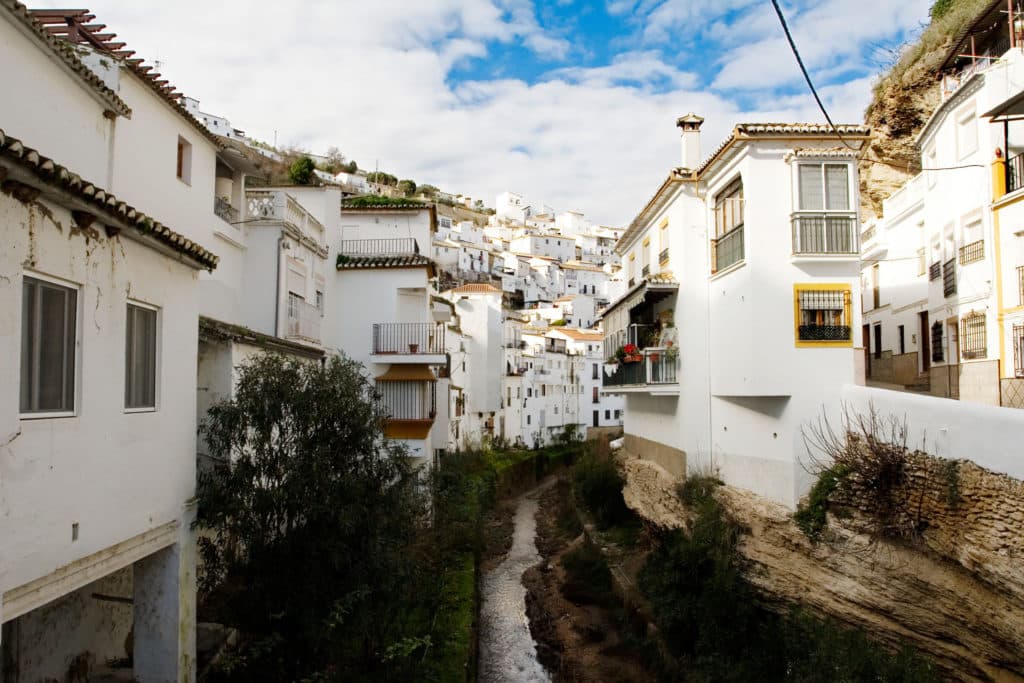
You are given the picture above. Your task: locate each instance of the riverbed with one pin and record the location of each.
(507, 650)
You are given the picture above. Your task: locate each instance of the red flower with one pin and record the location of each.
(631, 350)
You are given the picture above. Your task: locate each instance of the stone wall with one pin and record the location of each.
(956, 594)
(672, 460)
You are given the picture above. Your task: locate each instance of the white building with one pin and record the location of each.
(763, 234)
(383, 315)
(596, 408)
(549, 245)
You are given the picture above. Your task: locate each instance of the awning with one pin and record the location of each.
(408, 373)
(1007, 110)
(656, 287)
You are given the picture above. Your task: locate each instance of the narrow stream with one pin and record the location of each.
(507, 650)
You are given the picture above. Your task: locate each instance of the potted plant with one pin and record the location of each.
(633, 354)
(413, 348)
(620, 355)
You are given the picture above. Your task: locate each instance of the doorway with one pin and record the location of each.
(924, 349)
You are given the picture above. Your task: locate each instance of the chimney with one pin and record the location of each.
(689, 126)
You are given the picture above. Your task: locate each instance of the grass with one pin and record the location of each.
(588, 581)
(450, 655)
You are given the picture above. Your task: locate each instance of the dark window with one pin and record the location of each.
(596, 395)
(878, 341)
(824, 315)
(902, 340)
(140, 358)
(596, 372)
(48, 328)
(1018, 350)
(937, 343)
(972, 336)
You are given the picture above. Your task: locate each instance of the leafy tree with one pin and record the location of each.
(407, 187)
(382, 178)
(335, 161)
(479, 205)
(429, 191)
(301, 171)
(311, 523)
(351, 166)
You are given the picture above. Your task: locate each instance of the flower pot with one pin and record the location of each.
(413, 348)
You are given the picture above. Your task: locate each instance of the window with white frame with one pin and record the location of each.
(825, 222)
(140, 358)
(930, 159)
(49, 316)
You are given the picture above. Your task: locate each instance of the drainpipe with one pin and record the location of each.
(277, 289)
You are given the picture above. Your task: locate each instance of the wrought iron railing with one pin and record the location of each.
(657, 366)
(824, 332)
(973, 252)
(727, 249)
(1018, 350)
(408, 338)
(401, 246)
(408, 400)
(1014, 173)
(973, 342)
(949, 277)
(935, 271)
(824, 234)
(223, 209)
(303, 320)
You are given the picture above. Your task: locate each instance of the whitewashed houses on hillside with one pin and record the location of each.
(743, 273)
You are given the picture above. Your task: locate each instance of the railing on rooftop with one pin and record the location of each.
(280, 206)
(824, 234)
(408, 338)
(400, 246)
(223, 210)
(949, 278)
(727, 249)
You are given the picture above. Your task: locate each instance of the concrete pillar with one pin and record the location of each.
(165, 612)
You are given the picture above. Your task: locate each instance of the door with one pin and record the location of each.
(878, 340)
(865, 340)
(924, 349)
(597, 418)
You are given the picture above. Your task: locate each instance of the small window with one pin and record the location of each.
(320, 301)
(936, 341)
(972, 336)
(823, 315)
(184, 161)
(140, 358)
(529, 419)
(966, 134)
(49, 315)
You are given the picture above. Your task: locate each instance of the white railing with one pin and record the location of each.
(824, 233)
(303, 320)
(278, 205)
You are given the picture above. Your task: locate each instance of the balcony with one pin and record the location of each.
(409, 399)
(824, 234)
(403, 246)
(303, 321)
(727, 249)
(408, 343)
(279, 206)
(972, 253)
(949, 278)
(222, 209)
(1014, 173)
(657, 373)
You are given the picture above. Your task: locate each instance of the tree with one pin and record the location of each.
(407, 187)
(335, 161)
(312, 519)
(351, 166)
(429, 191)
(301, 171)
(382, 178)
(479, 205)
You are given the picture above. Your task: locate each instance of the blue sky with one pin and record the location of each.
(570, 102)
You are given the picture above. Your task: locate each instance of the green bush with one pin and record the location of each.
(301, 171)
(588, 580)
(812, 514)
(450, 654)
(599, 485)
(941, 8)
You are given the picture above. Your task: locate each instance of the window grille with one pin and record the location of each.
(824, 315)
(937, 356)
(972, 336)
(972, 253)
(1018, 350)
(949, 278)
(935, 271)
(48, 334)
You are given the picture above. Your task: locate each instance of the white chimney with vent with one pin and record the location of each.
(689, 126)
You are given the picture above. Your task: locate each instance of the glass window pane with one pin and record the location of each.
(140, 358)
(811, 198)
(49, 314)
(837, 184)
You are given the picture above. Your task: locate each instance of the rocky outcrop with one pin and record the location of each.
(956, 595)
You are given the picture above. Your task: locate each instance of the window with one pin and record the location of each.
(596, 395)
(823, 315)
(930, 162)
(966, 134)
(184, 172)
(901, 336)
(727, 246)
(320, 301)
(618, 414)
(607, 414)
(140, 358)
(825, 223)
(49, 315)
(529, 419)
(937, 355)
(921, 262)
(972, 334)
(1018, 350)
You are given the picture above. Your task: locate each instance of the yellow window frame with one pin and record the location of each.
(847, 291)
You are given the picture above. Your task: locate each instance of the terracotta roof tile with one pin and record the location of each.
(364, 262)
(107, 207)
(476, 288)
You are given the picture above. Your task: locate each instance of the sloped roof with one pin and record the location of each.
(579, 335)
(476, 288)
(372, 202)
(106, 206)
(59, 23)
(63, 51)
(364, 262)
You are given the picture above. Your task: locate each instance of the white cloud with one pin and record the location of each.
(373, 78)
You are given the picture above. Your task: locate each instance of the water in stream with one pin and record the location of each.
(507, 651)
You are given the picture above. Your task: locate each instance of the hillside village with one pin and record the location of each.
(151, 251)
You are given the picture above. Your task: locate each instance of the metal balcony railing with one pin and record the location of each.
(973, 252)
(223, 210)
(659, 366)
(401, 246)
(408, 338)
(727, 249)
(824, 234)
(1014, 173)
(303, 320)
(949, 277)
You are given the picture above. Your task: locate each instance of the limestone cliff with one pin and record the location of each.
(956, 593)
(905, 97)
